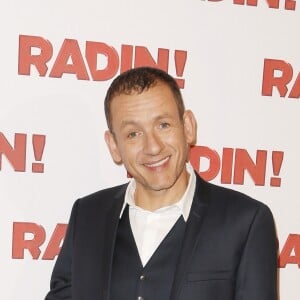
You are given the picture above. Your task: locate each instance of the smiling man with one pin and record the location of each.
(167, 234)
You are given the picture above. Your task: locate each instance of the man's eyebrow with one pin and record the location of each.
(163, 116)
(125, 123)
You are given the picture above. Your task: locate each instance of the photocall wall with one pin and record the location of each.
(237, 63)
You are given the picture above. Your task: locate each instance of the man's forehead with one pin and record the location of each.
(153, 99)
(136, 90)
(136, 121)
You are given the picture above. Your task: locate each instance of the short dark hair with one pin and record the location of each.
(138, 80)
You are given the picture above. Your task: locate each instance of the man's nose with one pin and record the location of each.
(152, 143)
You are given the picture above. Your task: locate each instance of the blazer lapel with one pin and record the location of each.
(108, 249)
(192, 233)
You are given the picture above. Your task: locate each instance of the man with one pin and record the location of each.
(168, 234)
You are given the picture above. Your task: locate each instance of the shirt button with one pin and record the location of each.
(142, 277)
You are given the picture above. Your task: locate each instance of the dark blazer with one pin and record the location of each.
(229, 250)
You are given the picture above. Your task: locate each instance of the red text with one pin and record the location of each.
(70, 59)
(285, 4)
(33, 245)
(234, 163)
(285, 82)
(290, 253)
(15, 152)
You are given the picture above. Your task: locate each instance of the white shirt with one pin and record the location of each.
(149, 228)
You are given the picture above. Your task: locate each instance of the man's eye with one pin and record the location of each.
(164, 125)
(132, 134)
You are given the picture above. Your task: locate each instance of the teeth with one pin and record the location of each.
(159, 163)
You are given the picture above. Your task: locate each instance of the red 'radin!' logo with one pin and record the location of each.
(37, 52)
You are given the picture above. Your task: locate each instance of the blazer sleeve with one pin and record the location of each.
(257, 271)
(61, 278)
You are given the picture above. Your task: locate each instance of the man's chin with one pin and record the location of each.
(159, 186)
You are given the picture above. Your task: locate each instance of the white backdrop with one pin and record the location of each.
(239, 63)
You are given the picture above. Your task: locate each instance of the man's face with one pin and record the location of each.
(150, 139)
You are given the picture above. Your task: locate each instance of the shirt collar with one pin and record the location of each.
(184, 204)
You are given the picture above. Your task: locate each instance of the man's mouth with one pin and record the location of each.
(158, 163)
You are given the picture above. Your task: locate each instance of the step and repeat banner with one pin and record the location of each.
(237, 63)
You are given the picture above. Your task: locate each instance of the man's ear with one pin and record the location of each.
(112, 146)
(190, 127)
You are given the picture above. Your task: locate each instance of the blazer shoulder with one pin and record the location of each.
(103, 198)
(232, 210)
(229, 199)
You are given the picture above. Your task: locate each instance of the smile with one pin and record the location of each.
(158, 163)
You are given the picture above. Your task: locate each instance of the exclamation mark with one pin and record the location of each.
(277, 159)
(180, 60)
(38, 142)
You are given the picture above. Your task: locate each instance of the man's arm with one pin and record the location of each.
(257, 272)
(60, 284)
